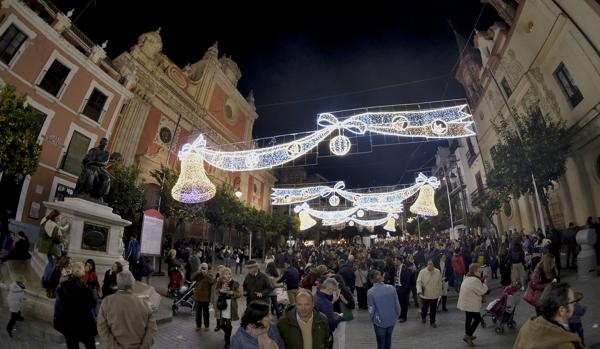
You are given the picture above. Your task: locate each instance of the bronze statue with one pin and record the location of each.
(94, 181)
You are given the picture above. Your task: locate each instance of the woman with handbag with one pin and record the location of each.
(49, 242)
(226, 307)
(343, 305)
(545, 272)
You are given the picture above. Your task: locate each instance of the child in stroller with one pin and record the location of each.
(502, 310)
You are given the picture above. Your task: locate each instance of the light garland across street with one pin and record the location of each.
(446, 122)
(387, 202)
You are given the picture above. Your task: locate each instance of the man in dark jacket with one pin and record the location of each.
(304, 323)
(291, 278)
(347, 273)
(257, 285)
(402, 284)
(323, 302)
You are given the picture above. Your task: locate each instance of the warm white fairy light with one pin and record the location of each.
(425, 203)
(340, 145)
(351, 220)
(386, 202)
(193, 186)
(390, 225)
(447, 122)
(334, 200)
(306, 221)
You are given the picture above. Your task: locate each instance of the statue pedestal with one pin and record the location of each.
(586, 259)
(95, 232)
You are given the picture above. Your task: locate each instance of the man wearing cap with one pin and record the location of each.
(257, 285)
(124, 320)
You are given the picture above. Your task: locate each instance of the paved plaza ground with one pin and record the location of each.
(180, 331)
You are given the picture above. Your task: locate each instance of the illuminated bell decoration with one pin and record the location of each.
(390, 225)
(306, 221)
(425, 204)
(193, 186)
(340, 145)
(334, 200)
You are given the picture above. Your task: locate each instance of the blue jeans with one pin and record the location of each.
(49, 268)
(384, 336)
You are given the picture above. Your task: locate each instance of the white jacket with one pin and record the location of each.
(471, 291)
(15, 297)
(429, 283)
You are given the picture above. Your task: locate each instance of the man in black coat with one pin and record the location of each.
(291, 278)
(402, 281)
(347, 273)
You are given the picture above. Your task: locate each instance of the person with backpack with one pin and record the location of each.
(49, 242)
(133, 253)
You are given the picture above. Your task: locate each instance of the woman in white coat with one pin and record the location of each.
(469, 300)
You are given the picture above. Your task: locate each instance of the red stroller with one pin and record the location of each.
(176, 278)
(502, 310)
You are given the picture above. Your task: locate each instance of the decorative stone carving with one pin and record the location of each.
(177, 76)
(150, 43)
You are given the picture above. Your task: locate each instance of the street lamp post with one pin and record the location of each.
(449, 203)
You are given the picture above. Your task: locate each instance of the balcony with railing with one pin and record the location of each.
(478, 195)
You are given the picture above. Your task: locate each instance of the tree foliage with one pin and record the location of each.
(531, 144)
(126, 196)
(19, 127)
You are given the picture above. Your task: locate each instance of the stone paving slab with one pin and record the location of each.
(181, 333)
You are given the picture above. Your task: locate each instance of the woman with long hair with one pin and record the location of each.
(343, 305)
(273, 274)
(109, 286)
(256, 330)
(472, 290)
(90, 279)
(225, 303)
(361, 284)
(545, 272)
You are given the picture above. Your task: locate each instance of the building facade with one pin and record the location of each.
(171, 106)
(73, 88)
(545, 54)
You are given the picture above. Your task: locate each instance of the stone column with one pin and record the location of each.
(130, 127)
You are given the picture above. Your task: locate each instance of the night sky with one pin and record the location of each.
(311, 58)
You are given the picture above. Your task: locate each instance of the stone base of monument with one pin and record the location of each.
(37, 305)
(586, 259)
(94, 232)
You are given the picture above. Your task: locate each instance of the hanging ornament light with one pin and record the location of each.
(193, 186)
(334, 200)
(360, 213)
(390, 225)
(425, 203)
(306, 221)
(351, 223)
(340, 145)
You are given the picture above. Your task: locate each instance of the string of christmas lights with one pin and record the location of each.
(446, 122)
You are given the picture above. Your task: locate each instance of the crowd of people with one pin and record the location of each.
(324, 284)
(306, 295)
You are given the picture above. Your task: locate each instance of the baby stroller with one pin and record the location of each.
(502, 310)
(175, 281)
(184, 297)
